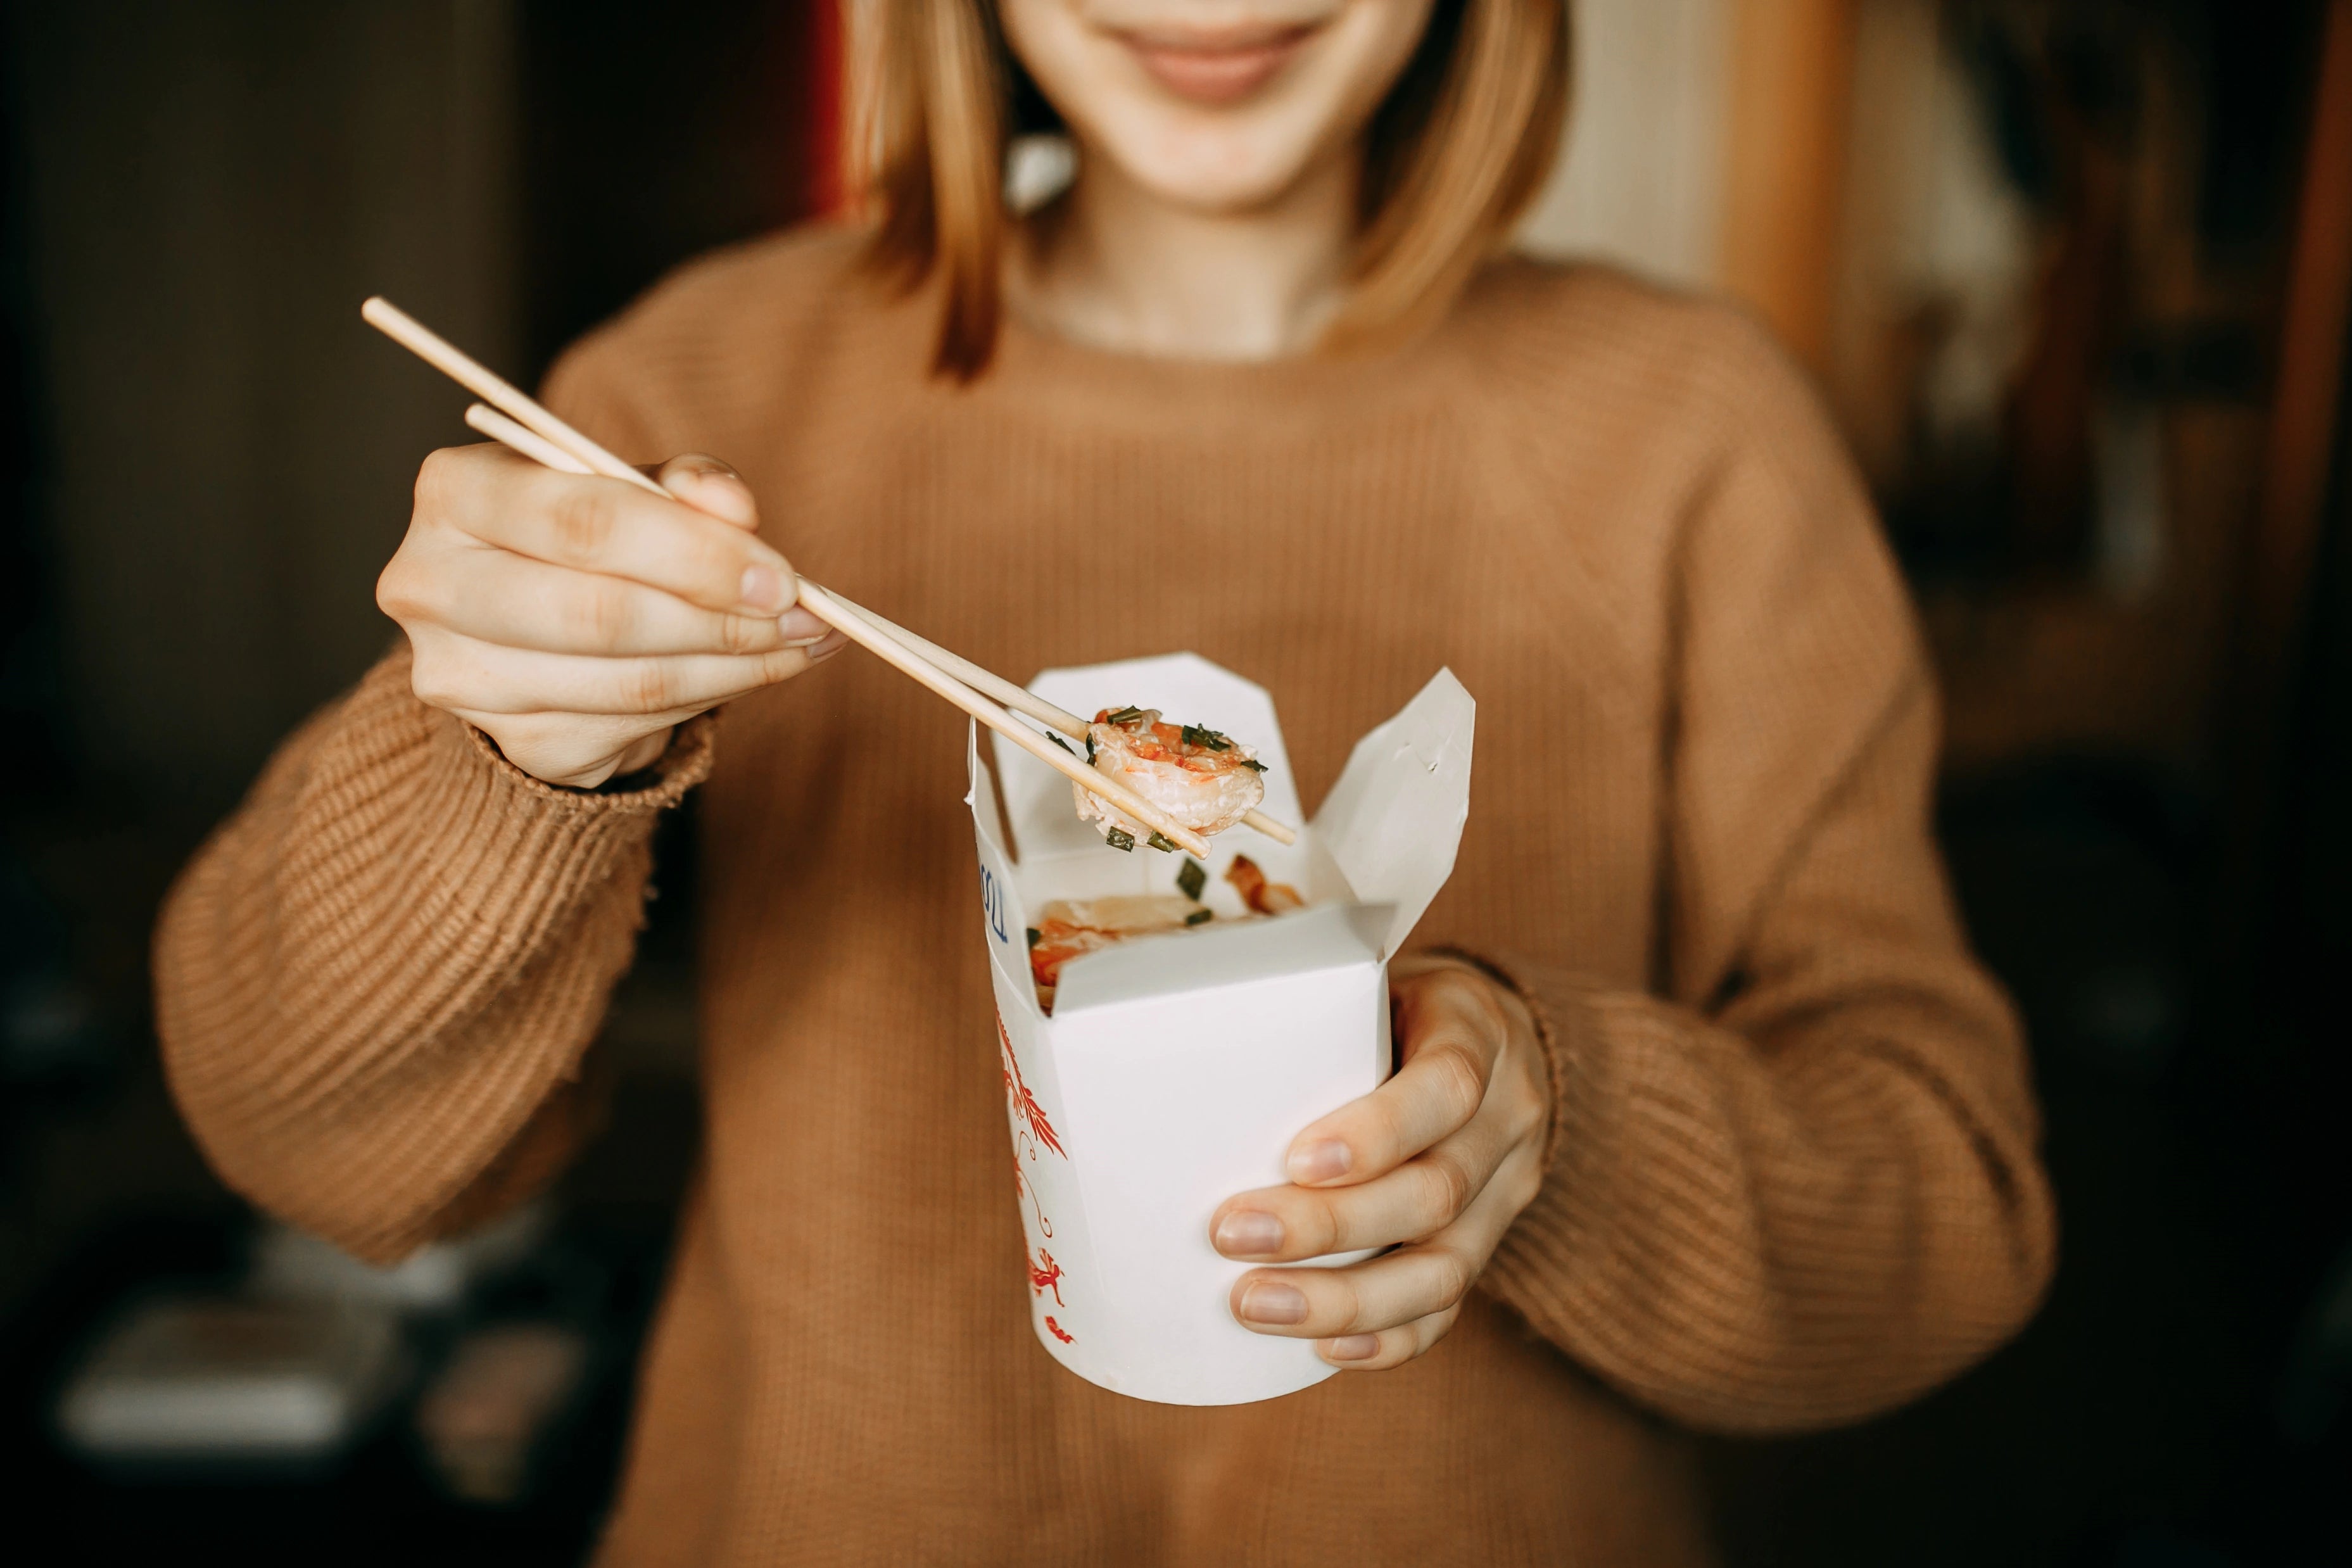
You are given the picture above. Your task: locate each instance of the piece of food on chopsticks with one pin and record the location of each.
(1205, 780)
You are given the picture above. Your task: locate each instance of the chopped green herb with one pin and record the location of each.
(1193, 879)
(1119, 838)
(1034, 934)
(1090, 748)
(1254, 764)
(1161, 842)
(1207, 739)
(1199, 917)
(1124, 715)
(1065, 744)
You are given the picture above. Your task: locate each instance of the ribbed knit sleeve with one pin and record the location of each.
(1802, 1185)
(376, 982)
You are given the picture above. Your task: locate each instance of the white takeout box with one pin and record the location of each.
(1176, 1070)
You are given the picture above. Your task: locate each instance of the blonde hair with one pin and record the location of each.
(1454, 155)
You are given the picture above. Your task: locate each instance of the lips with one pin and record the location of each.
(1217, 68)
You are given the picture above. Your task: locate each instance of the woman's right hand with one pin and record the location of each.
(577, 620)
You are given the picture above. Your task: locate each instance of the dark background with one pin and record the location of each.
(205, 459)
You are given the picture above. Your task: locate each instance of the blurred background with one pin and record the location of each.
(2073, 275)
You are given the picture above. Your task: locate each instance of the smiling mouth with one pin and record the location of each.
(1218, 68)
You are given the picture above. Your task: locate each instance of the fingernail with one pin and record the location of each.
(764, 589)
(832, 643)
(1247, 1233)
(800, 629)
(1320, 1162)
(1355, 1347)
(1269, 1303)
(732, 500)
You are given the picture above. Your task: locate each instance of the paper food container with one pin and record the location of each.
(1175, 1069)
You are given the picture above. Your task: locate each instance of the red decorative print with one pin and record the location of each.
(1025, 1104)
(1047, 1275)
(1031, 1132)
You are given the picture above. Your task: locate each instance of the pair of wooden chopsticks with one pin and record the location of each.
(509, 415)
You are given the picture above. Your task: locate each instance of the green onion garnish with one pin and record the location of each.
(1119, 838)
(1161, 842)
(1061, 742)
(1193, 879)
(1124, 715)
(1199, 917)
(1207, 739)
(1254, 764)
(1090, 748)
(1034, 934)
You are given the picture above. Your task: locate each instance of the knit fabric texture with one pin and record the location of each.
(1794, 1177)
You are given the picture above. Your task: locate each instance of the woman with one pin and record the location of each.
(1706, 1120)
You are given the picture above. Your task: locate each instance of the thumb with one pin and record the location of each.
(710, 486)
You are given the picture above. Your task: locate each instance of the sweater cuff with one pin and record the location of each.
(684, 764)
(1556, 1015)
(1533, 1268)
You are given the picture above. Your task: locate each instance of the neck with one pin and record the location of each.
(1114, 266)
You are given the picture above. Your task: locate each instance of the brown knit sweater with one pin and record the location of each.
(1794, 1178)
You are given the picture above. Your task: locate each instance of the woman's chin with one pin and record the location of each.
(1212, 175)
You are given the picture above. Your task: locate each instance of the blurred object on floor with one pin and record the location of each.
(289, 1363)
(231, 1383)
(592, 1276)
(488, 1409)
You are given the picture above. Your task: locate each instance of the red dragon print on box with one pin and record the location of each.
(1033, 1137)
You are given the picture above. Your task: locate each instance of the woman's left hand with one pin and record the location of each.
(1441, 1158)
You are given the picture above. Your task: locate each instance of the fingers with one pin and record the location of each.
(1452, 1035)
(498, 596)
(710, 485)
(599, 525)
(1418, 1198)
(1324, 1303)
(467, 675)
(1389, 1347)
(1393, 1308)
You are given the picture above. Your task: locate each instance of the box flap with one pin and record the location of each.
(1003, 916)
(1394, 819)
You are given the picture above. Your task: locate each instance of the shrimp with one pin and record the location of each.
(1266, 898)
(1205, 780)
(1071, 927)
